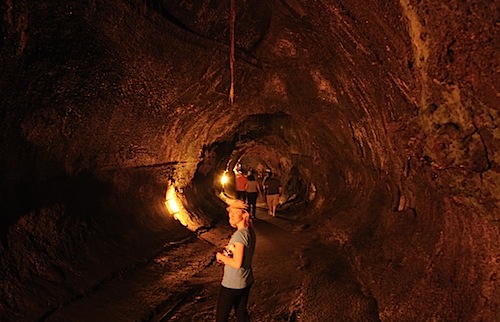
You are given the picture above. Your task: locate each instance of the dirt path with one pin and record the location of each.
(136, 295)
(182, 283)
(278, 277)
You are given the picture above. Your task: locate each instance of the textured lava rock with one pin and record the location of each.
(381, 117)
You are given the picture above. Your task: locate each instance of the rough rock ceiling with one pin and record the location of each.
(386, 112)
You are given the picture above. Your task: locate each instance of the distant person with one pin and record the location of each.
(237, 259)
(272, 187)
(241, 182)
(252, 189)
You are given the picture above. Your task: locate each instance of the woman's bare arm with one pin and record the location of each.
(237, 260)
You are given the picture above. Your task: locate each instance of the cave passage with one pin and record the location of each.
(379, 119)
(263, 143)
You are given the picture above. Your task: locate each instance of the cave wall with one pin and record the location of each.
(394, 109)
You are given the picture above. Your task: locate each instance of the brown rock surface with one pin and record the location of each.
(380, 119)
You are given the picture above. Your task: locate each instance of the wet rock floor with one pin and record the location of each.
(182, 282)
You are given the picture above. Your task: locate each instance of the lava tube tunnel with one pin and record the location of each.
(126, 123)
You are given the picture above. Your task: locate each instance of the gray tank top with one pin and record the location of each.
(243, 277)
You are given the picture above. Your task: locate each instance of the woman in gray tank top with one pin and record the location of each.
(237, 260)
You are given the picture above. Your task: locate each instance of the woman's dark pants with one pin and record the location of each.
(229, 298)
(252, 203)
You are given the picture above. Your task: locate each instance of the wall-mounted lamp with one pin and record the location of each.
(224, 179)
(173, 206)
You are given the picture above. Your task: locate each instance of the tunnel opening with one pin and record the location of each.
(260, 142)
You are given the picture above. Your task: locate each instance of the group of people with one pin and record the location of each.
(237, 256)
(248, 190)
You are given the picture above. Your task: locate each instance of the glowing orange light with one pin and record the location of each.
(224, 178)
(174, 208)
(171, 201)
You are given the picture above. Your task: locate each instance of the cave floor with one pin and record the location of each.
(182, 282)
(296, 279)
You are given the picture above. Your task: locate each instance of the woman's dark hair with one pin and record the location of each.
(251, 177)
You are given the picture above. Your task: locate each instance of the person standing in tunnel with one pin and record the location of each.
(241, 181)
(237, 259)
(253, 190)
(272, 187)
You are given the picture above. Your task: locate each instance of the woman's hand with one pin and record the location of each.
(219, 256)
(237, 260)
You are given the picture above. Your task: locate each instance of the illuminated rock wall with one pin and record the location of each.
(386, 113)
